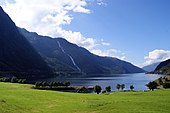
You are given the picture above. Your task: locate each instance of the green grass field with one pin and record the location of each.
(17, 98)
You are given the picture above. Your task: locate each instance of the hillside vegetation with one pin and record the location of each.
(163, 68)
(17, 98)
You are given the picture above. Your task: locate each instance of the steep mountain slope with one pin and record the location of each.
(77, 57)
(17, 56)
(163, 67)
(151, 67)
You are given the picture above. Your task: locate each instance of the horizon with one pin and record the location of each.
(126, 31)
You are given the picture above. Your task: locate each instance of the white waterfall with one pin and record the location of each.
(71, 58)
(61, 47)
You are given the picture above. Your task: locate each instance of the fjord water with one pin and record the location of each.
(139, 80)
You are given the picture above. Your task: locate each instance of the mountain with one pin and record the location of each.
(163, 67)
(17, 56)
(151, 67)
(77, 58)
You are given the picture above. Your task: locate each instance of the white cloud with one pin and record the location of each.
(156, 56)
(105, 43)
(77, 38)
(110, 52)
(101, 2)
(48, 17)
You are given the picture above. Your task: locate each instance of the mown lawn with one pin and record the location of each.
(17, 98)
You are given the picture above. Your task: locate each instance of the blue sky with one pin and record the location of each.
(136, 29)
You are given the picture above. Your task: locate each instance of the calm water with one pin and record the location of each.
(138, 80)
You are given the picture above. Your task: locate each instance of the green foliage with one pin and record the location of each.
(20, 98)
(131, 87)
(104, 91)
(118, 86)
(122, 86)
(13, 80)
(166, 85)
(24, 81)
(83, 90)
(5, 79)
(45, 84)
(108, 89)
(152, 85)
(160, 82)
(97, 89)
(67, 83)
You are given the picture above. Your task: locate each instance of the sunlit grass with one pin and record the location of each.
(17, 98)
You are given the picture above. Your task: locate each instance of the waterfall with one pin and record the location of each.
(71, 58)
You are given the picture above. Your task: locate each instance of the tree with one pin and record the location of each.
(160, 82)
(166, 85)
(24, 81)
(97, 89)
(83, 90)
(122, 86)
(118, 86)
(37, 84)
(131, 87)
(51, 84)
(67, 83)
(152, 85)
(44, 83)
(14, 80)
(19, 80)
(108, 88)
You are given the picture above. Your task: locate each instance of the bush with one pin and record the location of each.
(104, 91)
(83, 90)
(108, 89)
(39, 84)
(24, 81)
(118, 86)
(66, 83)
(131, 87)
(14, 80)
(122, 86)
(166, 85)
(152, 85)
(19, 80)
(97, 89)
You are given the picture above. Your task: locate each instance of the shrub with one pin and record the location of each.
(83, 90)
(97, 89)
(24, 81)
(104, 91)
(166, 85)
(19, 80)
(108, 88)
(118, 86)
(66, 83)
(152, 85)
(122, 86)
(131, 87)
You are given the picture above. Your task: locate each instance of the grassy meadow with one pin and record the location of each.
(20, 98)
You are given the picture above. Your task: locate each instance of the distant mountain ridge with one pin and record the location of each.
(17, 56)
(151, 67)
(78, 59)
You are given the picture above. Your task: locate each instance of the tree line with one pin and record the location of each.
(42, 84)
(13, 80)
(98, 89)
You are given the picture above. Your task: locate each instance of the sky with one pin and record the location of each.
(137, 31)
